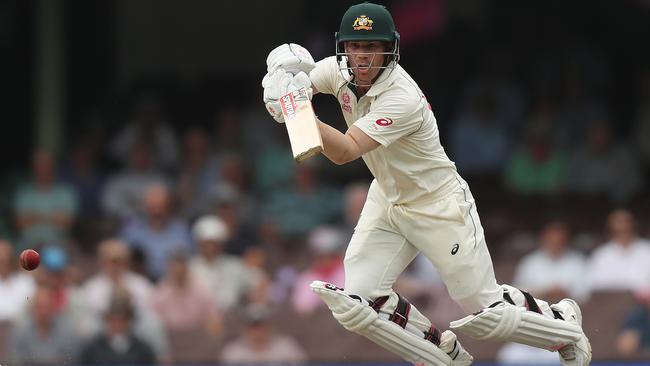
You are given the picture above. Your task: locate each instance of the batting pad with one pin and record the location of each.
(360, 318)
(506, 322)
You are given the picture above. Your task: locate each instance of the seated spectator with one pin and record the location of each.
(634, 338)
(621, 264)
(158, 233)
(115, 277)
(82, 173)
(537, 166)
(122, 197)
(148, 122)
(55, 272)
(554, 271)
(45, 208)
(229, 281)
(239, 213)
(261, 344)
(182, 303)
(43, 335)
(117, 344)
(305, 205)
(354, 199)
(479, 138)
(326, 245)
(199, 172)
(600, 166)
(16, 287)
(113, 259)
(521, 354)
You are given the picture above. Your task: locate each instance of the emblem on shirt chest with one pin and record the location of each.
(345, 102)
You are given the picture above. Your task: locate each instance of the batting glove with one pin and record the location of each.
(278, 84)
(291, 57)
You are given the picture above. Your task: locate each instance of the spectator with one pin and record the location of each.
(537, 166)
(554, 270)
(122, 197)
(181, 302)
(148, 123)
(43, 335)
(239, 213)
(326, 246)
(15, 287)
(199, 172)
(479, 138)
(355, 195)
(521, 354)
(114, 259)
(82, 174)
(158, 233)
(622, 263)
(635, 335)
(56, 273)
(117, 344)
(46, 208)
(115, 277)
(600, 166)
(228, 279)
(260, 344)
(273, 165)
(306, 205)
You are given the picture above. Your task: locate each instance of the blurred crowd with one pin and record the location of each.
(164, 241)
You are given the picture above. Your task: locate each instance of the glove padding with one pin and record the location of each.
(278, 84)
(291, 57)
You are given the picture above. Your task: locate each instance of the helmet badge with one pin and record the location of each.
(362, 23)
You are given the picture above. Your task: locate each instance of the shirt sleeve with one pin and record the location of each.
(392, 117)
(325, 75)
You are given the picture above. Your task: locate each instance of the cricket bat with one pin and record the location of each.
(301, 124)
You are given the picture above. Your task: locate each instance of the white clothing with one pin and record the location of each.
(98, 291)
(538, 271)
(15, 291)
(411, 163)
(521, 354)
(615, 267)
(227, 278)
(447, 231)
(417, 202)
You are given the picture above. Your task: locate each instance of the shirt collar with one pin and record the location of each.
(385, 80)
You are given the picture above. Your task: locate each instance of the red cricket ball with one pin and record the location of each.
(30, 259)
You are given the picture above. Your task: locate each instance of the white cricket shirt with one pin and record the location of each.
(411, 164)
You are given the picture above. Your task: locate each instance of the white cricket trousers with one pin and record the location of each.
(447, 230)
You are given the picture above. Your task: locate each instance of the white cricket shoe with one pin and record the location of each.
(459, 355)
(579, 353)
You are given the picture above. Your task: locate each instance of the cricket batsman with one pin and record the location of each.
(416, 203)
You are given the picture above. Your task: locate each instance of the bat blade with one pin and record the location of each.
(301, 124)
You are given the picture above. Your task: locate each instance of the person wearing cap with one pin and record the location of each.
(57, 273)
(416, 203)
(117, 344)
(115, 275)
(229, 281)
